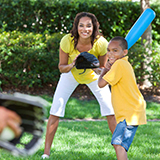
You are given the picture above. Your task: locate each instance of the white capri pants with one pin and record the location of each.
(67, 84)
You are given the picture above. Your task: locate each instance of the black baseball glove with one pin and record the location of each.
(86, 60)
(30, 109)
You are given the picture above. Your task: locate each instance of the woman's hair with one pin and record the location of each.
(123, 42)
(74, 31)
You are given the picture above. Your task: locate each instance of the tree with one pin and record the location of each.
(146, 41)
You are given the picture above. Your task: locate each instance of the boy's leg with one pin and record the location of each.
(111, 122)
(65, 88)
(120, 152)
(122, 139)
(103, 96)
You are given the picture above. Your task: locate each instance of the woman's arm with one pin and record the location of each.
(63, 66)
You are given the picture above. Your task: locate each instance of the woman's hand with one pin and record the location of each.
(74, 61)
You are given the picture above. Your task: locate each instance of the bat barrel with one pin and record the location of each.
(140, 26)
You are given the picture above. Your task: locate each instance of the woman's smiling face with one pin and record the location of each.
(85, 27)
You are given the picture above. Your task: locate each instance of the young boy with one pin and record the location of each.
(128, 103)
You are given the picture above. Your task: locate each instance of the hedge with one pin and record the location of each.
(31, 31)
(115, 18)
(29, 59)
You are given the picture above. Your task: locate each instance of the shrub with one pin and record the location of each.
(28, 58)
(31, 30)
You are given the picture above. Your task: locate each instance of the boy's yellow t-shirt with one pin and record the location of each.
(99, 49)
(127, 100)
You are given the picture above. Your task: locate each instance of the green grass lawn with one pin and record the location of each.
(90, 140)
(90, 109)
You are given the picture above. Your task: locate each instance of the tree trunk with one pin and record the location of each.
(146, 41)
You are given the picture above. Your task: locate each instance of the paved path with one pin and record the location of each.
(90, 119)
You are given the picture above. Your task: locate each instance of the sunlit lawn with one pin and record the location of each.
(90, 109)
(90, 140)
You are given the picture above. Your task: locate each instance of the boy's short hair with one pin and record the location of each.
(123, 42)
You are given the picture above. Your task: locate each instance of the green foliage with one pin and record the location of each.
(31, 31)
(115, 18)
(28, 58)
(138, 58)
(156, 23)
(154, 74)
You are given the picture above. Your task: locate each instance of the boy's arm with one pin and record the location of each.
(101, 81)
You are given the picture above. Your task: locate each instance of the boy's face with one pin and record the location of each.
(115, 51)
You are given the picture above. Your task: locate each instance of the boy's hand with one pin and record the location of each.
(97, 70)
(108, 65)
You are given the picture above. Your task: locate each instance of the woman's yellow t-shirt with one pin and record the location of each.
(127, 101)
(99, 49)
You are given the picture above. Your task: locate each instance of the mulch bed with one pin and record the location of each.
(82, 92)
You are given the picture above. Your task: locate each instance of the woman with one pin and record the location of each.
(84, 36)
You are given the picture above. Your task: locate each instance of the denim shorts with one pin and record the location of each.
(124, 134)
